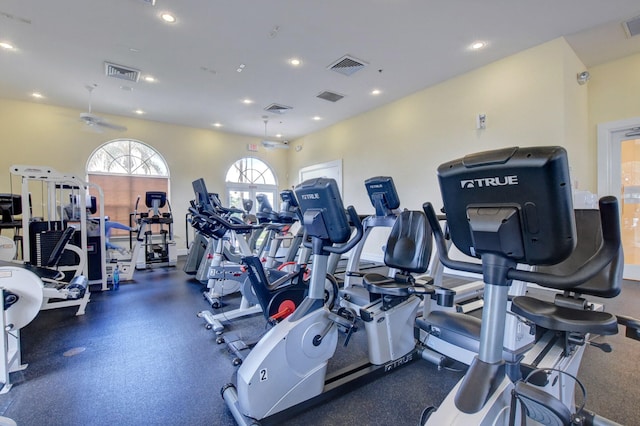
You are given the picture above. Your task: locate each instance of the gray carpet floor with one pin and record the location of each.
(141, 356)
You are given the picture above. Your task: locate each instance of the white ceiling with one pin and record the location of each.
(60, 47)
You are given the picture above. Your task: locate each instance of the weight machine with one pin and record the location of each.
(54, 190)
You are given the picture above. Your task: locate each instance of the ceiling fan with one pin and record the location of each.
(96, 122)
(271, 144)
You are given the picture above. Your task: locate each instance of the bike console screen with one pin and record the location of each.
(323, 211)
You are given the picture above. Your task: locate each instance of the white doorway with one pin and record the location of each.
(619, 175)
(331, 169)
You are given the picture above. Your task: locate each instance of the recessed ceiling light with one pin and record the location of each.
(217, 125)
(295, 62)
(477, 45)
(126, 88)
(278, 135)
(149, 78)
(6, 45)
(317, 118)
(375, 92)
(167, 17)
(139, 111)
(241, 67)
(247, 101)
(37, 95)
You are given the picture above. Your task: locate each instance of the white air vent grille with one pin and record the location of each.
(632, 26)
(330, 96)
(121, 72)
(277, 108)
(347, 65)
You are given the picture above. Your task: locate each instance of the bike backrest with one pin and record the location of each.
(608, 282)
(288, 208)
(265, 212)
(409, 244)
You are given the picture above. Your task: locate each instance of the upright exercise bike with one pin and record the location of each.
(384, 198)
(289, 364)
(287, 370)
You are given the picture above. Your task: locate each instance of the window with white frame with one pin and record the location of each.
(126, 169)
(247, 178)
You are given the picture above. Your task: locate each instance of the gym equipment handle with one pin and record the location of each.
(215, 218)
(355, 219)
(610, 222)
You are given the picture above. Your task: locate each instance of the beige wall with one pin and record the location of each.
(530, 98)
(614, 95)
(582, 155)
(614, 91)
(43, 135)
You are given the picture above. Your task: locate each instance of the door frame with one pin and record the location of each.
(330, 169)
(608, 151)
(609, 172)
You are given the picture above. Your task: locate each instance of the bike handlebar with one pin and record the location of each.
(353, 215)
(355, 219)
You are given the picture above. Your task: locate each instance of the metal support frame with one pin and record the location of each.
(10, 349)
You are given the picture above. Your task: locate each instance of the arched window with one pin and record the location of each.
(126, 169)
(249, 177)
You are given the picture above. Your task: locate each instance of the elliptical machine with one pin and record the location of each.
(159, 247)
(311, 333)
(279, 291)
(508, 207)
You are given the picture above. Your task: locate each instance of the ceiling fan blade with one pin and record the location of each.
(91, 127)
(95, 121)
(111, 126)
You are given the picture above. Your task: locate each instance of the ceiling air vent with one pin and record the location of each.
(632, 26)
(121, 72)
(330, 96)
(277, 108)
(347, 65)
